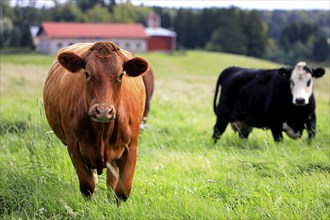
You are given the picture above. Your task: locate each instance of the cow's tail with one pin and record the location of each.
(215, 105)
(220, 80)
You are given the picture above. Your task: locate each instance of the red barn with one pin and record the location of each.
(52, 36)
(159, 39)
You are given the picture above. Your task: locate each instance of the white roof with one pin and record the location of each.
(159, 32)
(34, 30)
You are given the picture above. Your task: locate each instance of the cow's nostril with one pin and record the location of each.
(300, 101)
(103, 112)
(97, 111)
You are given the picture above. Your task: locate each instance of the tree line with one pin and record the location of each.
(281, 36)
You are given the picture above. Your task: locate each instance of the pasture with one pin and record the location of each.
(180, 172)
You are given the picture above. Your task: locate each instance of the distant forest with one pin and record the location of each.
(281, 36)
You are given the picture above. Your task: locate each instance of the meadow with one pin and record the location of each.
(180, 172)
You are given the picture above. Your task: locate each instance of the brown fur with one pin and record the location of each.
(148, 80)
(71, 94)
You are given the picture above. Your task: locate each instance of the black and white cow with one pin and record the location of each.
(278, 99)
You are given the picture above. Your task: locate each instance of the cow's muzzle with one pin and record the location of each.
(102, 113)
(300, 101)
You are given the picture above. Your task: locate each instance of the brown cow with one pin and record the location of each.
(94, 100)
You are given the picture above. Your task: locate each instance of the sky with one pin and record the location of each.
(247, 4)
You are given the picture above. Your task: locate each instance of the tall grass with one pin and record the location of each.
(180, 173)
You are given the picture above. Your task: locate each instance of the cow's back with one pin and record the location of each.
(251, 95)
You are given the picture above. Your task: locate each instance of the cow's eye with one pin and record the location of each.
(121, 75)
(309, 82)
(86, 74)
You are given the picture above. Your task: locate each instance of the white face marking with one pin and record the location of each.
(290, 132)
(301, 84)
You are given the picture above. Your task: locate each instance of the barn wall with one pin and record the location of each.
(51, 46)
(159, 43)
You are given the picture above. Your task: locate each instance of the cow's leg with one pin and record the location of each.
(112, 175)
(244, 134)
(277, 133)
(87, 178)
(126, 165)
(120, 174)
(243, 129)
(311, 127)
(219, 128)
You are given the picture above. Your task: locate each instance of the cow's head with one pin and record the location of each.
(301, 81)
(104, 68)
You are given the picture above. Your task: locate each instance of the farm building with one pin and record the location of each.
(132, 37)
(159, 39)
(54, 35)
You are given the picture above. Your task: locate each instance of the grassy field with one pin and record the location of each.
(180, 173)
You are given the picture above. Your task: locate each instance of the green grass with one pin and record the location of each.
(180, 173)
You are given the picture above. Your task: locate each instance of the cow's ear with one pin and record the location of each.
(318, 72)
(71, 61)
(286, 73)
(136, 66)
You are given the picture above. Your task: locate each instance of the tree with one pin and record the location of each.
(111, 5)
(6, 10)
(320, 49)
(67, 12)
(15, 38)
(229, 37)
(304, 42)
(166, 15)
(124, 13)
(141, 14)
(26, 38)
(84, 5)
(214, 43)
(98, 14)
(6, 27)
(209, 20)
(297, 32)
(185, 27)
(256, 36)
